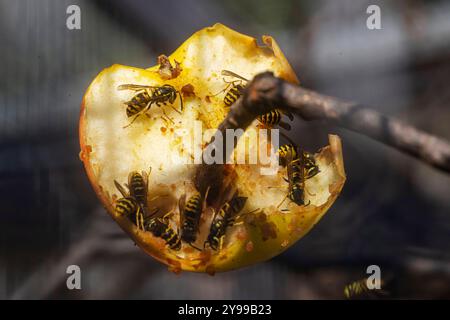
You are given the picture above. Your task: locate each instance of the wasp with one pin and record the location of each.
(134, 202)
(223, 219)
(360, 287)
(235, 89)
(310, 164)
(273, 118)
(128, 206)
(296, 178)
(145, 96)
(160, 227)
(190, 213)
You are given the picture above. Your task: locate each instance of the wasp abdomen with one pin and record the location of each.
(233, 94)
(138, 188)
(192, 212)
(271, 118)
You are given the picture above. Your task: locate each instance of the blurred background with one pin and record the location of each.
(394, 211)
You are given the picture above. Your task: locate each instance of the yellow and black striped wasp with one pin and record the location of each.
(360, 289)
(296, 176)
(145, 96)
(129, 207)
(310, 164)
(138, 186)
(296, 179)
(190, 213)
(235, 89)
(161, 228)
(223, 219)
(134, 201)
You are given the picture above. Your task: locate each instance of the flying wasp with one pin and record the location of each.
(145, 96)
(223, 219)
(235, 89)
(160, 228)
(190, 213)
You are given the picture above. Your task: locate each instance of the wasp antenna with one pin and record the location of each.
(223, 90)
(282, 201)
(134, 119)
(250, 212)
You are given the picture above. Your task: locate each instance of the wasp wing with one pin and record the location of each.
(229, 73)
(121, 189)
(181, 204)
(135, 87)
(145, 176)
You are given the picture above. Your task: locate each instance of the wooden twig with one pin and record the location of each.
(266, 91)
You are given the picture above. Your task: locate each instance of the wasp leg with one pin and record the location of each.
(175, 109)
(223, 90)
(140, 219)
(221, 243)
(284, 199)
(166, 118)
(168, 214)
(143, 111)
(158, 196)
(196, 248)
(153, 213)
(278, 187)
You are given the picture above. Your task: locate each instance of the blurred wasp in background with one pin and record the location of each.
(360, 289)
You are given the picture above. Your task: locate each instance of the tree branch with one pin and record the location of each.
(266, 91)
